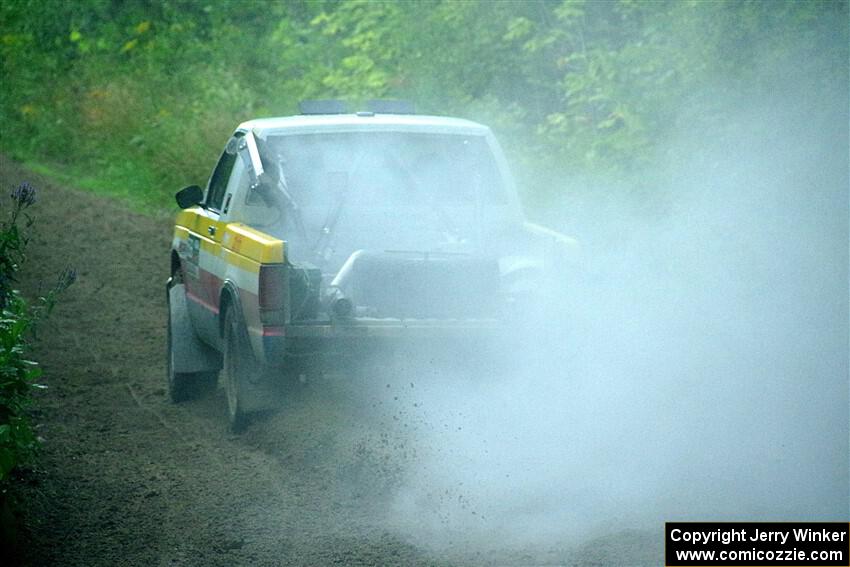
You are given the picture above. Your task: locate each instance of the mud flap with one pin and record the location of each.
(190, 353)
(259, 396)
(257, 386)
(255, 391)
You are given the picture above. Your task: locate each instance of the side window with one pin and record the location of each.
(237, 187)
(218, 181)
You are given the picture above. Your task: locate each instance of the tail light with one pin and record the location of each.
(271, 291)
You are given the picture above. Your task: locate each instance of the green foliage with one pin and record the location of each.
(18, 324)
(141, 95)
(13, 240)
(17, 377)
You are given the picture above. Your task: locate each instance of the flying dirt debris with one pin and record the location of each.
(329, 236)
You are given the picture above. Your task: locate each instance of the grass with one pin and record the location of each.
(122, 180)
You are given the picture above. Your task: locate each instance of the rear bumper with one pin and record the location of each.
(394, 328)
(345, 337)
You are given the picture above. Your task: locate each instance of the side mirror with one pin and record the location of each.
(189, 196)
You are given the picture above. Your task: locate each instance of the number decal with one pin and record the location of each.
(194, 256)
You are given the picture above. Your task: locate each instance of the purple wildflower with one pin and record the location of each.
(24, 195)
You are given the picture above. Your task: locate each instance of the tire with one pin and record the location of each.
(185, 386)
(240, 370)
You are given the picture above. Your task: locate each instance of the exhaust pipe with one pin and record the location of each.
(337, 302)
(338, 305)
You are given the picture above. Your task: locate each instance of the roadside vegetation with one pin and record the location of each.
(19, 375)
(135, 98)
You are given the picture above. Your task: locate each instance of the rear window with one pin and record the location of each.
(388, 168)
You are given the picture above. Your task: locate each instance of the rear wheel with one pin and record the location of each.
(185, 386)
(240, 371)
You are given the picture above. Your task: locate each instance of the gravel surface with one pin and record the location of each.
(127, 478)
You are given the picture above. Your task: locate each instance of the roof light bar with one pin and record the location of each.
(328, 106)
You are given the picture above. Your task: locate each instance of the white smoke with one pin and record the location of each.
(706, 374)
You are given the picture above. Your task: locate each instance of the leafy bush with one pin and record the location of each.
(574, 88)
(19, 374)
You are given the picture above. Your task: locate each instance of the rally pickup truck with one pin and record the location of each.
(321, 234)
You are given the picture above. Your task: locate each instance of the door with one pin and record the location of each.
(205, 269)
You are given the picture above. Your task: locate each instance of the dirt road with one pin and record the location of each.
(126, 478)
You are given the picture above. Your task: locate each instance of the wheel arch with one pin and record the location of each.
(228, 299)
